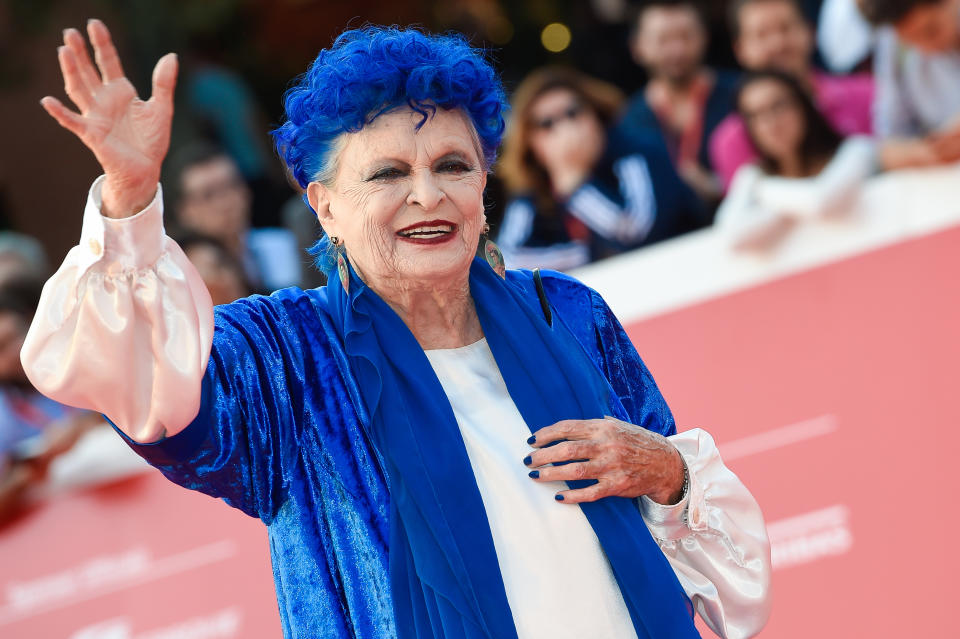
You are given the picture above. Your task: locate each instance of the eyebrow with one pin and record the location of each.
(454, 155)
(394, 162)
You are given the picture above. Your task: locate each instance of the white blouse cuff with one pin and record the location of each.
(133, 242)
(670, 521)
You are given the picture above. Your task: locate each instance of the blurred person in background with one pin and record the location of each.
(805, 169)
(33, 429)
(220, 104)
(210, 197)
(684, 100)
(774, 34)
(917, 68)
(578, 194)
(217, 266)
(21, 256)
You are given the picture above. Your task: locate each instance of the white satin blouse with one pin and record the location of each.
(125, 327)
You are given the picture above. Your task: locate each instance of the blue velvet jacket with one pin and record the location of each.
(279, 435)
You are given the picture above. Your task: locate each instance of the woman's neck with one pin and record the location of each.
(438, 315)
(791, 166)
(798, 167)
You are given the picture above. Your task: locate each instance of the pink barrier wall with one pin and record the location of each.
(834, 394)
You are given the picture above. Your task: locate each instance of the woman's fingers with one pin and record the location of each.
(165, 78)
(568, 472)
(103, 50)
(561, 452)
(592, 492)
(565, 429)
(73, 83)
(87, 73)
(66, 118)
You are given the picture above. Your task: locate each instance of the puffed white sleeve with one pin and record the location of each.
(125, 325)
(715, 540)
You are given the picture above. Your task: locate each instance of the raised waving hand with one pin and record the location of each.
(128, 136)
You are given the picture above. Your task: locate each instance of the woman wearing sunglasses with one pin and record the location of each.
(578, 193)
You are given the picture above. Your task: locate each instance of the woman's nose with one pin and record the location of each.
(425, 191)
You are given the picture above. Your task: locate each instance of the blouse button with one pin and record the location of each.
(95, 247)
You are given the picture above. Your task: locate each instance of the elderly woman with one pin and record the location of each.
(405, 432)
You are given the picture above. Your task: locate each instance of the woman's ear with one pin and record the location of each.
(319, 197)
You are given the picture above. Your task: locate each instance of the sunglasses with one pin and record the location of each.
(572, 112)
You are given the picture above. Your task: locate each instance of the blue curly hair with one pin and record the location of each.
(372, 70)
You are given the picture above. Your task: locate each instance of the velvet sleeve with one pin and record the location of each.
(587, 315)
(241, 446)
(627, 373)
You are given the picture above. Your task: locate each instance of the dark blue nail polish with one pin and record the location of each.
(527, 460)
(532, 439)
(534, 474)
(558, 497)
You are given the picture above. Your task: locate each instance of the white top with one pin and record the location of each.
(759, 207)
(125, 327)
(548, 552)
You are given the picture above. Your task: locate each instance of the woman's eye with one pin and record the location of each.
(386, 173)
(454, 167)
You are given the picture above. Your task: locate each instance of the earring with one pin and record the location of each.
(334, 240)
(344, 273)
(486, 229)
(495, 258)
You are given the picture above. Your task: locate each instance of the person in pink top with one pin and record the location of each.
(774, 34)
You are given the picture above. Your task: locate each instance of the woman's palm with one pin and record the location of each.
(128, 136)
(125, 133)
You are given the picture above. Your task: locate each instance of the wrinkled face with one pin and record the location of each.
(670, 42)
(407, 203)
(933, 28)
(773, 35)
(214, 199)
(564, 131)
(774, 118)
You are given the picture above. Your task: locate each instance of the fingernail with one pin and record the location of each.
(558, 497)
(527, 460)
(531, 439)
(534, 474)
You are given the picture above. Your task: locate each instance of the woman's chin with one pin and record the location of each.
(435, 262)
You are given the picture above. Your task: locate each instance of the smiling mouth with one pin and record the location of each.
(427, 231)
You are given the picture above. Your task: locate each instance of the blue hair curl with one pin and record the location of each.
(371, 70)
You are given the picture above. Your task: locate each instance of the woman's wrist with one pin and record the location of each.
(675, 483)
(122, 198)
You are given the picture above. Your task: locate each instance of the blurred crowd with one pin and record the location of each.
(780, 123)
(592, 172)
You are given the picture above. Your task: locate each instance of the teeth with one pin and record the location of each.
(428, 231)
